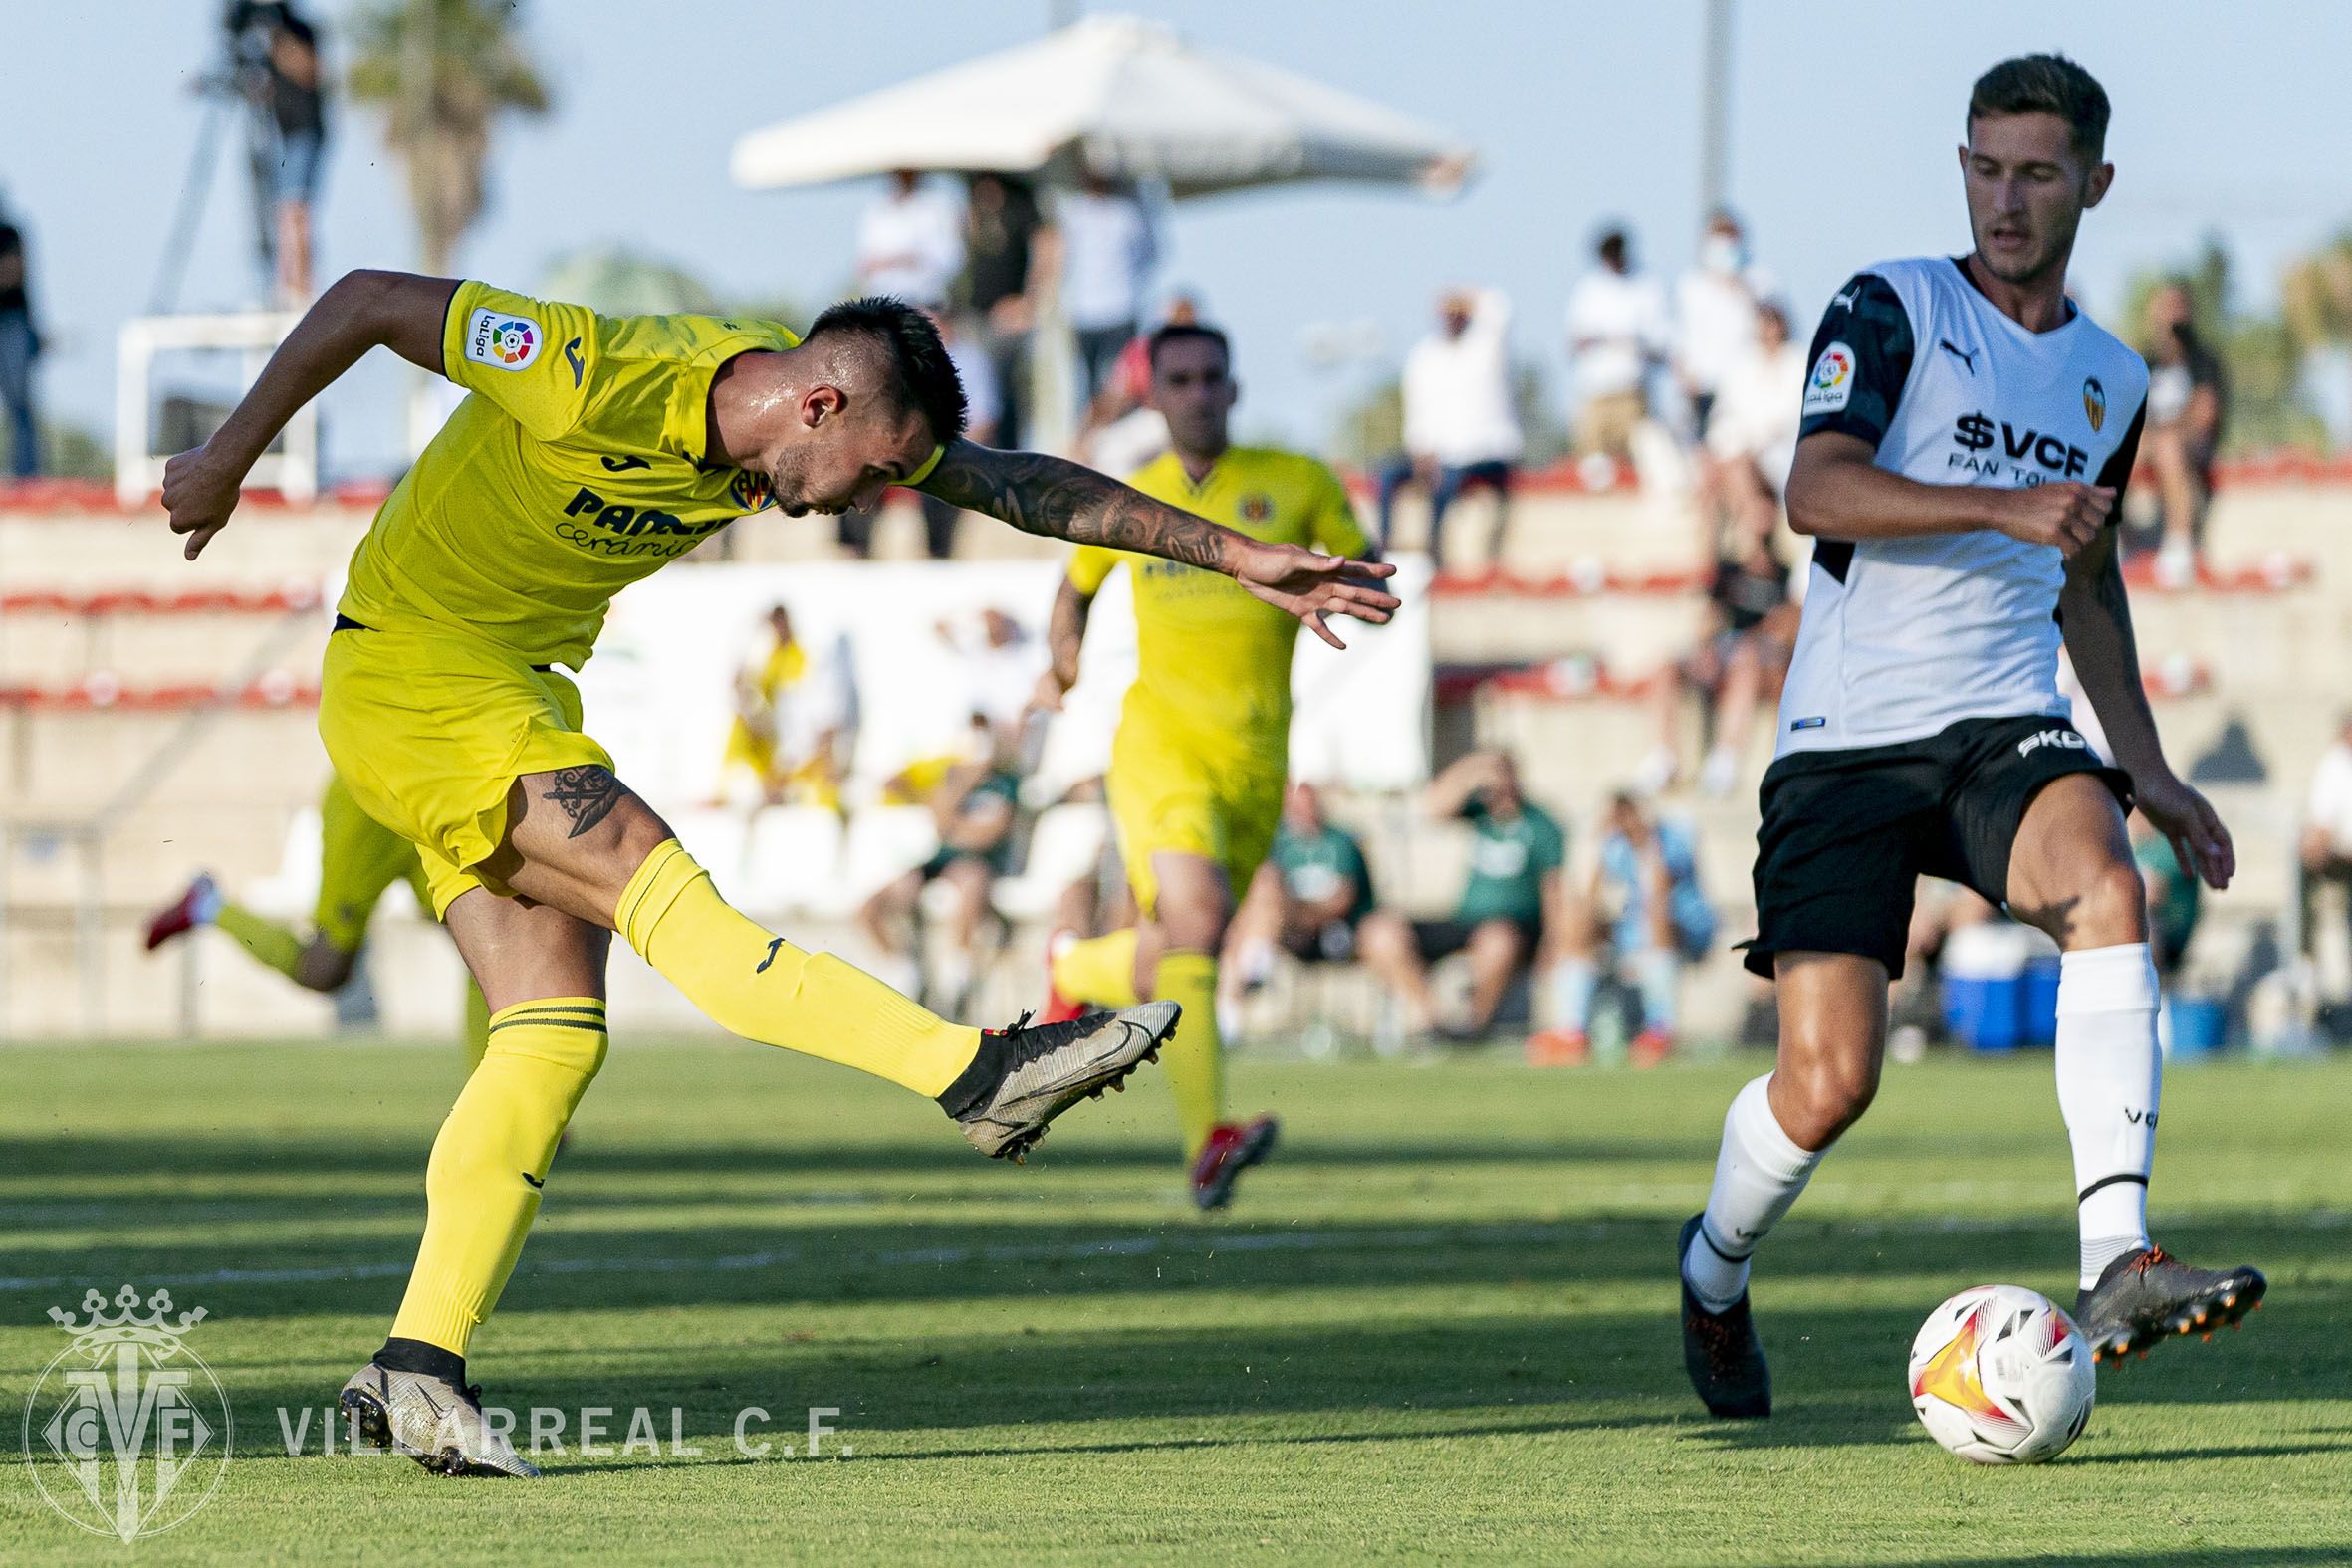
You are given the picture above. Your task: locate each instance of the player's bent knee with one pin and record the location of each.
(2114, 910)
(325, 967)
(1821, 1095)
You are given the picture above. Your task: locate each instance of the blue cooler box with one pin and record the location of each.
(1999, 991)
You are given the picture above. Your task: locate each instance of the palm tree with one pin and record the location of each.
(444, 71)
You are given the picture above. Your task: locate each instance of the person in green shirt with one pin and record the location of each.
(1307, 899)
(2175, 898)
(1507, 906)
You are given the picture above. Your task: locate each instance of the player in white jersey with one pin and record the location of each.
(1967, 433)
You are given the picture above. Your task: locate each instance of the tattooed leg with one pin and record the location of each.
(587, 795)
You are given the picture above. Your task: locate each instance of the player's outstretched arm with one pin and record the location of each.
(1062, 499)
(359, 312)
(2096, 615)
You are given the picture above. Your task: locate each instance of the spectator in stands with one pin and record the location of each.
(298, 110)
(1461, 425)
(1642, 911)
(910, 243)
(1122, 431)
(2187, 397)
(976, 806)
(984, 403)
(1009, 253)
(1752, 429)
(1735, 671)
(999, 662)
(2327, 824)
(1108, 246)
(792, 716)
(2176, 898)
(1507, 909)
(1618, 333)
(1915, 1008)
(19, 345)
(1306, 900)
(1714, 305)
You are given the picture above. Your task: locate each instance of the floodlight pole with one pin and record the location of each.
(1715, 108)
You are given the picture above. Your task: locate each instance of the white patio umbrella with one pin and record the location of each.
(1125, 98)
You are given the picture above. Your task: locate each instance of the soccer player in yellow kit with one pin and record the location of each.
(358, 859)
(1203, 747)
(592, 451)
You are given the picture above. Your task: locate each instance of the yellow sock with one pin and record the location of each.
(490, 1161)
(756, 985)
(1100, 972)
(272, 943)
(1193, 1058)
(477, 1024)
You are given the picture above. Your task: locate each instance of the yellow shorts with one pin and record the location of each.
(431, 732)
(1168, 800)
(359, 857)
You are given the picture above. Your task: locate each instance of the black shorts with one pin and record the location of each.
(1436, 939)
(1846, 835)
(1331, 944)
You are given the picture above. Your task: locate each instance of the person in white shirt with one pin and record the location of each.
(1616, 334)
(1751, 432)
(1715, 305)
(1460, 422)
(2327, 821)
(1108, 248)
(910, 243)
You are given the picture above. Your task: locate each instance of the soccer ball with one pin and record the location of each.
(2000, 1376)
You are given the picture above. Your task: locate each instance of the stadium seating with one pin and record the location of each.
(110, 642)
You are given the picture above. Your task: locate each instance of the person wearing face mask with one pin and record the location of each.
(1715, 304)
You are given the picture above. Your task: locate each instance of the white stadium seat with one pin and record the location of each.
(794, 860)
(1064, 846)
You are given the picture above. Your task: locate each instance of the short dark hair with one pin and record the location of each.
(1613, 243)
(1181, 332)
(922, 377)
(2045, 85)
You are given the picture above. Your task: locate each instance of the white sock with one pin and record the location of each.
(1574, 982)
(1658, 973)
(1756, 1176)
(2110, 1075)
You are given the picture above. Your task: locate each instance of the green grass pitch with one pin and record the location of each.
(1438, 1325)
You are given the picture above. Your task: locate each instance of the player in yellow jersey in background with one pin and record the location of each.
(1203, 749)
(594, 450)
(358, 860)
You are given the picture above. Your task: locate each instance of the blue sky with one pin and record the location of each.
(2230, 119)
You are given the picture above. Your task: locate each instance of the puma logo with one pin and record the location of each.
(1953, 348)
(1845, 301)
(536, 1183)
(775, 946)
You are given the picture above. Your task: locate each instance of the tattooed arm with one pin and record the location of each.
(1062, 499)
(2096, 616)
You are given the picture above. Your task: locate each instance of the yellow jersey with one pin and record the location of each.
(1213, 662)
(576, 467)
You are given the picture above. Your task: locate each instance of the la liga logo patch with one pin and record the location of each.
(496, 337)
(1831, 384)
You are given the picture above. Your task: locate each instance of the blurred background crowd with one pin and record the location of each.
(1593, 468)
